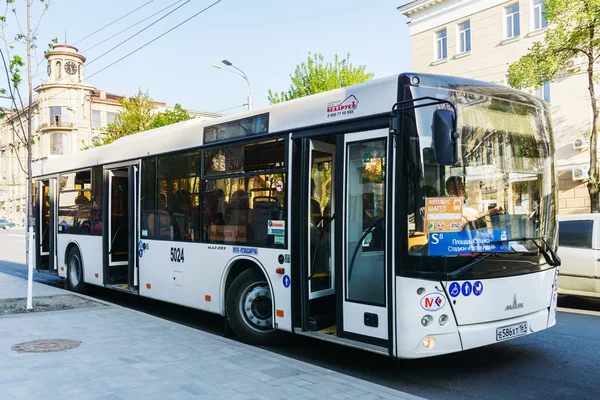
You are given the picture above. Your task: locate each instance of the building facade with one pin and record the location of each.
(479, 39)
(68, 115)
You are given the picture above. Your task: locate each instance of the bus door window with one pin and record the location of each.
(365, 221)
(320, 227)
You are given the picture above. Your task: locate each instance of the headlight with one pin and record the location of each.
(429, 342)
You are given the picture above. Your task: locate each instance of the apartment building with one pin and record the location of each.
(479, 39)
(68, 115)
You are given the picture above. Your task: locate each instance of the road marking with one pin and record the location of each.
(577, 311)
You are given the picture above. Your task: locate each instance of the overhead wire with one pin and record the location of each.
(157, 37)
(144, 45)
(113, 22)
(131, 26)
(138, 32)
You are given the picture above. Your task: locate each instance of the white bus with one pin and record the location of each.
(411, 216)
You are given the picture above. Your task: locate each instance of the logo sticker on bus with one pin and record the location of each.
(433, 302)
(343, 108)
(245, 250)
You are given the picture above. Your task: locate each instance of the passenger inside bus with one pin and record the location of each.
(160, 219)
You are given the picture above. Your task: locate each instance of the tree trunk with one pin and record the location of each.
(593, 181)
(29, 133)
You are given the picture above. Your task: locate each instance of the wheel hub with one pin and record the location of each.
(256, 307)
(74, 270)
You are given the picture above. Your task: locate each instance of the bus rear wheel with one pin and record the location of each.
(249, 309)
(75, 271)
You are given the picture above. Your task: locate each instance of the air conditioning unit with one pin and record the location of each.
(572, 66)
(580, 173)
(581, 143)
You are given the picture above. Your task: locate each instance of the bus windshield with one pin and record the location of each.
(498, 196)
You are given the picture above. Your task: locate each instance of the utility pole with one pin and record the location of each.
(29, 200)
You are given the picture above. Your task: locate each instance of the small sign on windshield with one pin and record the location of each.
(443, 214)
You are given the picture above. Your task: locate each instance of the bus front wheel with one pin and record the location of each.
(249, 309)
(75, 271)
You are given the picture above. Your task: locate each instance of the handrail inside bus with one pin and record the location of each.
(321, 236)
(364, 235)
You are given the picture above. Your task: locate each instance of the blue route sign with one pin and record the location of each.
(467, 242)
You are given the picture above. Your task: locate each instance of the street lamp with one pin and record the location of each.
(240, 73)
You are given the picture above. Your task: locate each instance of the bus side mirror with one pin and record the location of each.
(445, 137)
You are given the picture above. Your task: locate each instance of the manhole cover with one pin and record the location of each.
(45, 345)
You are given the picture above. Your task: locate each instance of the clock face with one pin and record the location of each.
(70, 68)
(49, 68)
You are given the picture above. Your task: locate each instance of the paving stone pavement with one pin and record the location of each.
(126, 354)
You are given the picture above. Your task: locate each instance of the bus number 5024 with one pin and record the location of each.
(177, 254)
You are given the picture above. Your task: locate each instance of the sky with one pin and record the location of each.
(265, 39)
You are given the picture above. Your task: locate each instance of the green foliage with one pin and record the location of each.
(574, 31)
(315, 76)
(169, 117)
(138, 113)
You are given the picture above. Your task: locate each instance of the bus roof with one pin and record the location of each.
(364, 99)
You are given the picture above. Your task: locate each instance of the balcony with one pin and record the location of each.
(56, 126)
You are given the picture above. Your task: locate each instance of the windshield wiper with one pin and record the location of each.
(549, 254)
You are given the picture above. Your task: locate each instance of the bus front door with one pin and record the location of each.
(46, 226)
(121, 219)
(364, 243)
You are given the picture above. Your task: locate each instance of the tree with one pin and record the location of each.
(574, 32)
(169, 117)
(19, 114)
(316, 76)
(137, 114)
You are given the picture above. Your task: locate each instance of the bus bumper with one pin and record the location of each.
(478, 335)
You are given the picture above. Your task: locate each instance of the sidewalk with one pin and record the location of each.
(125, 354)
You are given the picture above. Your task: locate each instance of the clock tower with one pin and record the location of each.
(65, 65)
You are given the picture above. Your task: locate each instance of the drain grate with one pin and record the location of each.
(45, 346)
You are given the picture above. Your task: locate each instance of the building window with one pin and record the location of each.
(441, 45)
(58, 70)
(513, 28)
(59, 144)
(111, 117)
(55, 116)
(539, 20)
(543, 92)
(96, 121)
(59, 116)
(464, 37)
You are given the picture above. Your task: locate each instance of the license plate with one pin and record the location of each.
(511, 331)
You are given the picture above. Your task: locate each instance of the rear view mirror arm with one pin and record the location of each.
(409, 105)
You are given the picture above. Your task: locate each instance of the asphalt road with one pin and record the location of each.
(559, 363)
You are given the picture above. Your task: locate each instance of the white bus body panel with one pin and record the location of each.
(504, 298)
(478, 316)
(409, 313)
(90, 248)
(204, 272)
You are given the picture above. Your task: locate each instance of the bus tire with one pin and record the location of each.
(75, 271)
(249, 309)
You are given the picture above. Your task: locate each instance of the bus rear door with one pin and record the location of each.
(121, 216)
(45, 226)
